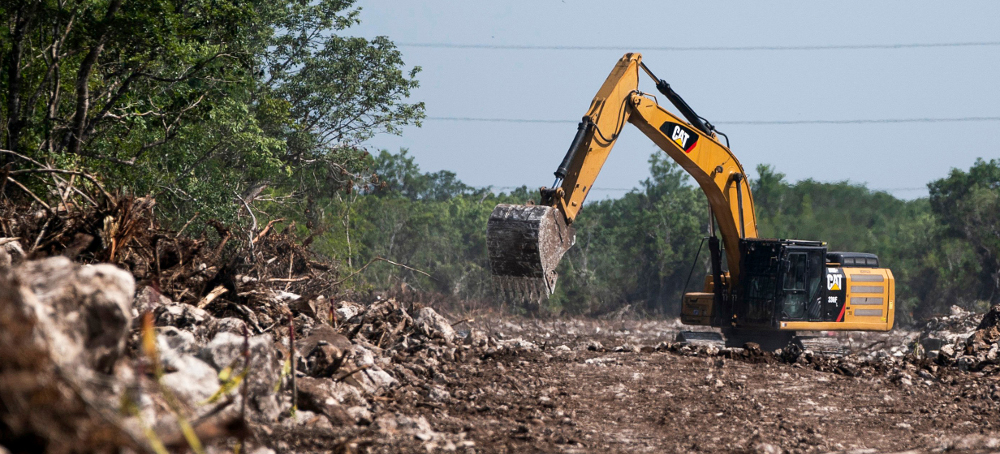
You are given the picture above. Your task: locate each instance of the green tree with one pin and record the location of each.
(335, 92)
(205, 104)
(402, 175)
(430, 221)
(110, 83)
(968, 204)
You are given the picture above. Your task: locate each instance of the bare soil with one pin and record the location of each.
(582, 400)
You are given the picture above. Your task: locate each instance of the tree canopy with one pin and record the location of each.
(204, 104)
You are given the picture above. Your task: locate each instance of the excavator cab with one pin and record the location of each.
(798, 285)
(783, 282)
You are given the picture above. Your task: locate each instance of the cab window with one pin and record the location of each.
(794, 286)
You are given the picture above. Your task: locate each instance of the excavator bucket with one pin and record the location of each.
(525, 244)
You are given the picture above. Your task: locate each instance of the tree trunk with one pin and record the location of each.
(13, 121)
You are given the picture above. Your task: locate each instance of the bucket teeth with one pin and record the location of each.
(525, 245)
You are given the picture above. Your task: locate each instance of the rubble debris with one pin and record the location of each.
(223, 372)
(979, 350)
(258, 356)
(959, 324)
(433, 325)
(315, 395)
(190, 379)
(46, 367)
(83, 312)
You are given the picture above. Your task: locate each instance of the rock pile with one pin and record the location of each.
(948, 329)
(955, 342)
(66, 330)
(979, 351)
(889, 362)
(120, 369)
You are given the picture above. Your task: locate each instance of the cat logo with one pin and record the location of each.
(680, 136)
(685, 138)
(834, 281)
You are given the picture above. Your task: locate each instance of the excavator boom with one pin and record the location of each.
(513, 244)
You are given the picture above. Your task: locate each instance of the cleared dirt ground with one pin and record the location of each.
(571, 399)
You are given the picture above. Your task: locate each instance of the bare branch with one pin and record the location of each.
(23, 157)
(88, 177)
(32, 194)
(267, 228)
(111, 102)
(249, 211)
(379, 259)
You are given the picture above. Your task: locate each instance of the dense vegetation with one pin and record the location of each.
(639, 249)
(251, 111)
(204, 104)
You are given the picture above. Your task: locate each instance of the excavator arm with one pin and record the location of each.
(526, 242)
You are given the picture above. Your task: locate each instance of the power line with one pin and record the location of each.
(742, 122)
(704, 48)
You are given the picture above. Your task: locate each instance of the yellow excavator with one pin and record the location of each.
(759, 289)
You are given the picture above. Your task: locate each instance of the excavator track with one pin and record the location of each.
(525, 244)
(767, 340)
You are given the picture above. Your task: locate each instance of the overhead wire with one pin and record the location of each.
(704, 48)
(722, 48)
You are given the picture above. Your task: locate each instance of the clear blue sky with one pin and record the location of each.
(724, 86)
